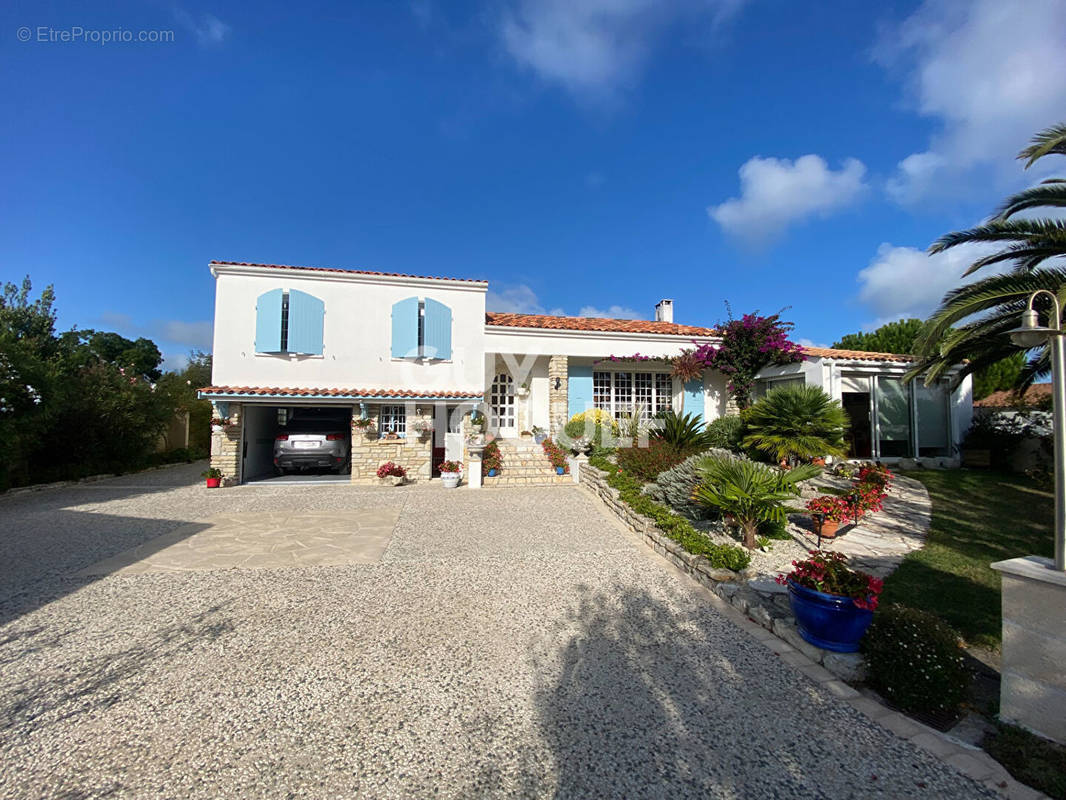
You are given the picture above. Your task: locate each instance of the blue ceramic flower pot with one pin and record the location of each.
(493, 473)
(828, 621)
(560, 470)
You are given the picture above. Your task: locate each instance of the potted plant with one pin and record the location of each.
(556, 456)
(833, 604)
(523, 390)
(392, 474)
(422, 427)
(449, 473)
(539, 434)
(213, 477)
(525, 434)
(364, 424)
(833, 511)
(477, 422)
(491, 460)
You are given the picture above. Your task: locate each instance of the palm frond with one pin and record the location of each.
(1048, 141)
(1049, 193)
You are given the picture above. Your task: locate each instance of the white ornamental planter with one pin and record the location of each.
(449, 479)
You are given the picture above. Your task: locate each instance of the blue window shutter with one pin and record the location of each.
(694, 398)
(438, 342)
(306, 317)
(268, 322)
(405, 328)
(579, 388)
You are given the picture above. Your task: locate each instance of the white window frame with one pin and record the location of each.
(392, 419)
(661, 388)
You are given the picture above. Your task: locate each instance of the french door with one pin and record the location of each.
(502, 403)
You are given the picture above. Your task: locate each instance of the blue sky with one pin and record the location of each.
(586, 157)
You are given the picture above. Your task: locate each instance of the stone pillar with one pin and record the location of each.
(473, 464)
(1033, 686)
(558, 399)
(227, 438)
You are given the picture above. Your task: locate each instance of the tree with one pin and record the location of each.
(751, 493)
(902, 336)
(972, 320)
(892, 337)
(796, 423)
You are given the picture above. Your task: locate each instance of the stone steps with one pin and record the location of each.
(505, 479)
(524, 462)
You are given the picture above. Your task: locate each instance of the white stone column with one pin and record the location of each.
(1033, 685)
(474, 451)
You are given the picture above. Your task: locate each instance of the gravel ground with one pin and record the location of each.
(509, 643)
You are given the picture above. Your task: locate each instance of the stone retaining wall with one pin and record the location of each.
(759, 598)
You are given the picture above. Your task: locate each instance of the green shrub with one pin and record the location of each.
(686, 432)
(675, 486)
(727, 433)
(598, 430)
(915, 660)
(751, 493)
(675, 527)
(774, 529)
(646, 463)
(796, 423)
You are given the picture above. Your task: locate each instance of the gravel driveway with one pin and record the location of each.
(507, 643)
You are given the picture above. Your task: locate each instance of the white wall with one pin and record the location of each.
(357, 335)
(583, 344)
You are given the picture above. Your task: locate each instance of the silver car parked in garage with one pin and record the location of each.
(314, 444)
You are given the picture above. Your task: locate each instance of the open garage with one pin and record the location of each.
(302, 442)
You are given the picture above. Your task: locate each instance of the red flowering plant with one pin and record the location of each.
(748, 345)
(831, 507)
(390, 469)
(449, 466)
(829, 573)
(871, 489)
(556, 454)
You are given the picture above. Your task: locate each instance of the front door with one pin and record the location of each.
(502, 404)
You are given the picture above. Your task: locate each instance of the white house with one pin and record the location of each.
(413, 353)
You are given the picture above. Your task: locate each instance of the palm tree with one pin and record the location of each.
(797, 422)
(991, 306)
(750, 492)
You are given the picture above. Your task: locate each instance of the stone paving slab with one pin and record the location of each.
(264, 540)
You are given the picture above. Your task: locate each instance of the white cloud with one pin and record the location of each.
(989, 73)
(191, 334)
(776, 192)
(595, 47)
(810, 343)
(208, 29)
(907, 282)
(611, 312)
(521, 299)
(518, 299)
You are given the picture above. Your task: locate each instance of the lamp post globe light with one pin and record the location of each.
(1032, 334)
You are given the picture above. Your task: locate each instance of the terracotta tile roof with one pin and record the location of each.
(338, 269)
(275, 391)
(594, 324)
(856, 355)
(1035, 395)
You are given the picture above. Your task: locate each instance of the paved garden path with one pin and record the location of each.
(504, 643)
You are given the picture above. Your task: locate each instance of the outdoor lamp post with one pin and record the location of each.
(1032, 334)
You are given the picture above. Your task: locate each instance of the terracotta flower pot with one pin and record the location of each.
(830, 528)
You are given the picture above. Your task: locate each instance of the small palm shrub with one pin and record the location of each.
(646, 463)
(675, 486)
(751, 493)
(686, 432)
(915, 660)
(796, 423)
(727, 433)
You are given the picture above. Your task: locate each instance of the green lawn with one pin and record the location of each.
(979, 517)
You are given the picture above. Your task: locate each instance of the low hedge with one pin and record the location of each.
(722, 556)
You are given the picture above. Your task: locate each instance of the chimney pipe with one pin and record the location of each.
(664, 311)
